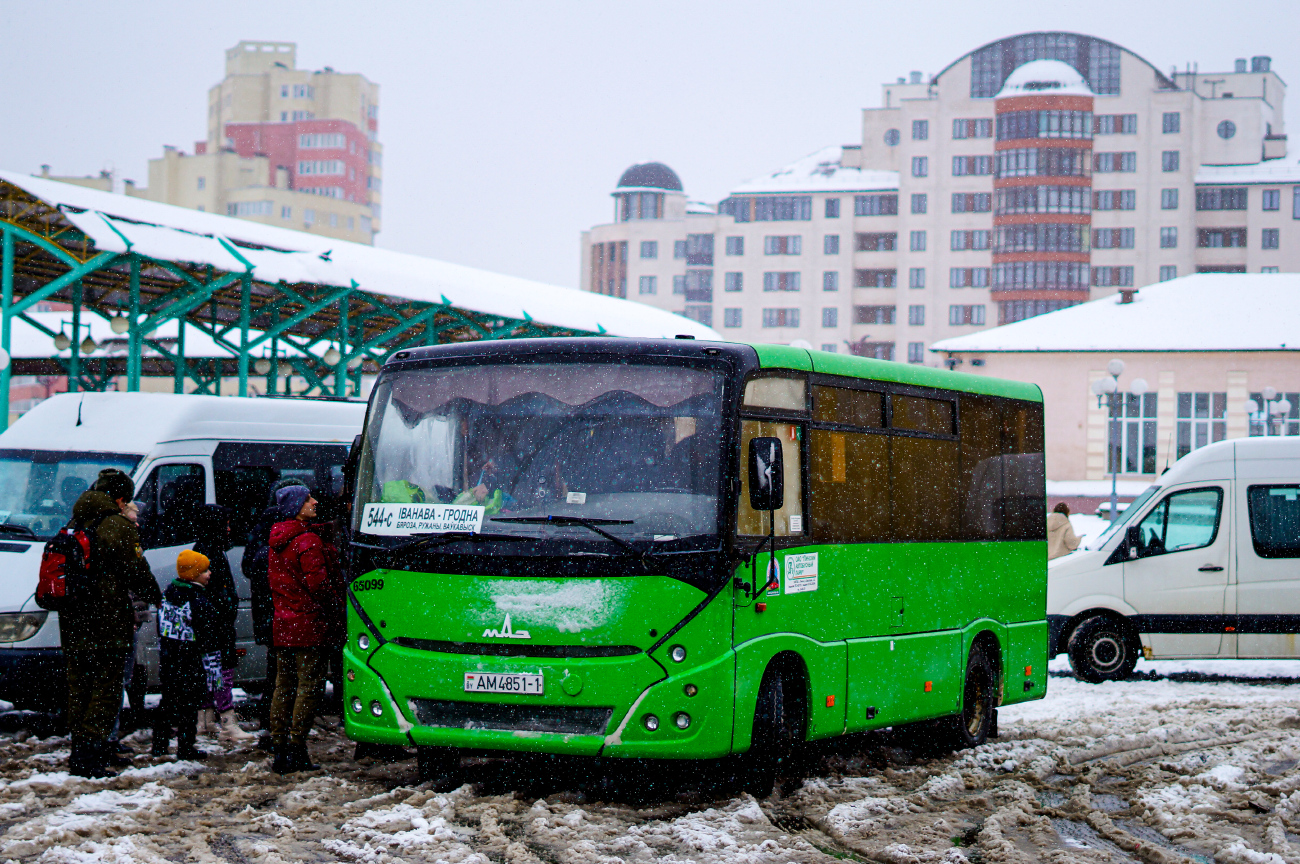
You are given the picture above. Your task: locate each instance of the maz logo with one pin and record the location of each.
(506, 632)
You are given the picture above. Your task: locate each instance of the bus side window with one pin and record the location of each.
(789, 519)
(850, 486)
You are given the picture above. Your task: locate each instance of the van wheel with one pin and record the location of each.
(1103, 648)
(780, 718)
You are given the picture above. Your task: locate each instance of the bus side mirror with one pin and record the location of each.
(766, 474)
(1133, 540)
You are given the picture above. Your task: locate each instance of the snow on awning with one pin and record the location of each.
(118, 223)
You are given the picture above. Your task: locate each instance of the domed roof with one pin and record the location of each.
(1045, 78)
(650, 175)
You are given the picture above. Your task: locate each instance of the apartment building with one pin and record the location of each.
(1031, 174)
(285, 146)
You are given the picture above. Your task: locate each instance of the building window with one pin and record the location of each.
(1167, 272)
(1268, 238)
(832, 208)
(1036, 199)
(679, 249)
(699, 250)
(646, 285)
(1169, 238)
(1226, 128)
(1035, 275)
(970, 166)
(1112, 277)
(308, 216)
(920, 166)
(1041, 161)
(703, 314)
(1269, 269)
(699, 286)
(334, 220)
(915, 352)
(351, 224)
(1169, 161)
(874, 350)
(982, 202)
(873, 314)
(831, 280)
(1295, 203)
(1052, 123)
(789, 244)
(1044, 237)
(1282, 425)
(831, 244)
(875, 278)
(1115, 199)
(969, 240)
(781, 281)
(968, 277)
(323, 140)
(1202, 419)
(284, 116)
(286, 212)
(1223, 198)
(1133, 434)
(1114, 163)
(284, 91)
(640, 205)
(1220, 238)
(892, 137)
(916, 277)
(830, 317)
(885, 204)
(878, 242)
(829, 347)
(920, 130)
(782, 208)
(917, 241)
(916, 316)
(977, 128)
(732, 317)
(244, 209)
(304, 91)
(735, 245)
(1168, 199)
(1114, 124)
(1270, 199)
(733, 282)
(958, 315)
(1011, 311)
(649, 248)
(679, 284)
(780, 317)
(920, 202)
(1114, 238)
(321, 167)
(202, 182)
(1171, 122)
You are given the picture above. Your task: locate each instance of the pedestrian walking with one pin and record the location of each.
(307, 591)
(212, 530)
(1061, 539)
(189, 642)
(99, 629)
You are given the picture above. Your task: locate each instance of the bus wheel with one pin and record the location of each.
(440, 766)
(779, 722)
(971, 727)
(1103, 648)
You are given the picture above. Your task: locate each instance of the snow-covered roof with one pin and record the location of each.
(1205, 312)
(1273, 171)
(1045, 78)
(117, 223)
(701, 208)
(820, 172)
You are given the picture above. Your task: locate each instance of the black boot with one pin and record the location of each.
(302, 759)
(114, 756)
(160, 740)
(185, 749)
(283, 762)
(87, 760)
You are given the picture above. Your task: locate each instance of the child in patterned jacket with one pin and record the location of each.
(190, 649)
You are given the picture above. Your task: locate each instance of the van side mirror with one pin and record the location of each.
(1133, 540)
(766, 474)
(350, 467)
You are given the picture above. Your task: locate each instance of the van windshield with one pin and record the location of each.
(638, 443)
(39, 487)
(1129, 512)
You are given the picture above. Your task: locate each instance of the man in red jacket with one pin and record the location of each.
(307, 593)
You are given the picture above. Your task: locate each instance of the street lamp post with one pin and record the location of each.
(1272, 406)
(1109, 389)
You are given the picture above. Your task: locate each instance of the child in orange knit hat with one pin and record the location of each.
(189, 642)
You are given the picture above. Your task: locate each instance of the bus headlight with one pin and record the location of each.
(363, 642)
(682, 720)
(651, 722)
(356, 705)
(376, 708)
(678, 653)
(18, 626)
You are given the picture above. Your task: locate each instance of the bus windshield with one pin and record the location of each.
(39, 487)
(633, 443)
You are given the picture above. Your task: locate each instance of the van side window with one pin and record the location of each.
(1184, 520)
(1275, 520)
(245, 472)
(167, 501)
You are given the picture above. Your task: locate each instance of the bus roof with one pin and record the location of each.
(136, 422)
(786, 357)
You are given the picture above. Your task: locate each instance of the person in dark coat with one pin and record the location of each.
(212, 530)
(189, 640)
(99, 630)
(307, 588)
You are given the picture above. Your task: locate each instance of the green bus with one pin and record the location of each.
(678, 549)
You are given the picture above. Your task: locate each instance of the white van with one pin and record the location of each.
(181, 451)
(1206, 563)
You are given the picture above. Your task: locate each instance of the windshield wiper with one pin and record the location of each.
(10, 528)
(593, 525)
(436, 539)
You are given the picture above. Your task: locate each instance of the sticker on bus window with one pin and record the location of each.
(801, 573)
(398, 520)
(773, 578)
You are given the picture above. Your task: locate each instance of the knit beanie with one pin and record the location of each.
(115, 484)
(189, 564)
(290, 500)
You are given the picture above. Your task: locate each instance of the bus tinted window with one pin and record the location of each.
(922, 415)
(850, 407)
(923, 479)
(850, 486)
(789, 519)
(1024, 494)
(785, 393)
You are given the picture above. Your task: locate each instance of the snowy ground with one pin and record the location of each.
(1190, 762)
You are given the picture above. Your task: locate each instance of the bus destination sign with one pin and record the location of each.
(398, 520)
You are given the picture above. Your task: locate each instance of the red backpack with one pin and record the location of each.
(65, 569)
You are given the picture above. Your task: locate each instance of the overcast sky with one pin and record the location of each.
(505, 125)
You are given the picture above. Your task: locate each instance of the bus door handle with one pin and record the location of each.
(1209, 568)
